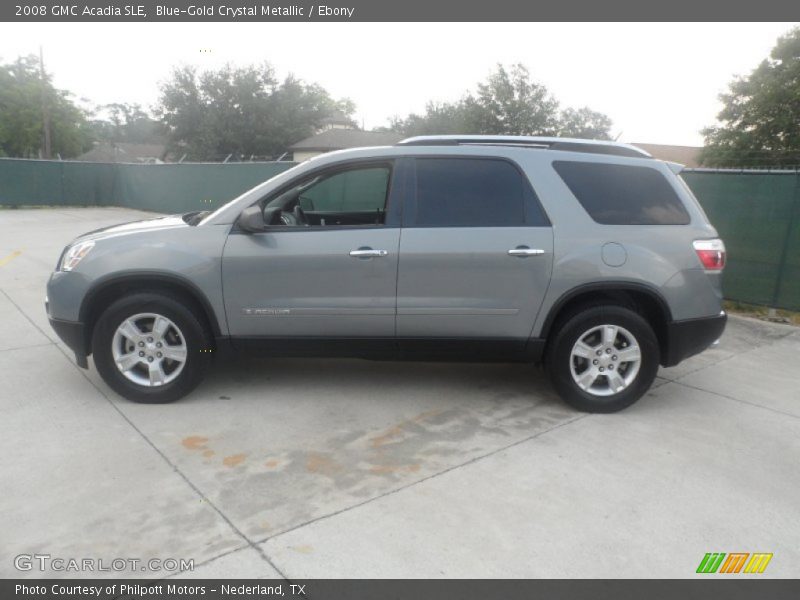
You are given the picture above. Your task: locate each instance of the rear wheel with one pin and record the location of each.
(149, 347)
(603, 359)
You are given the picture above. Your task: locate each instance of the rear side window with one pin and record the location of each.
(622, 194)
(466, 192)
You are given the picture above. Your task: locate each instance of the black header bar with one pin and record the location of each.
(710, 588)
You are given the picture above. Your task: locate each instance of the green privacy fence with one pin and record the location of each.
(169, 188)
(758, 216)
(756, 213)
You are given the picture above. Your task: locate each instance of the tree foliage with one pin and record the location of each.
(584, 123)
(760, 119)
(508, 102)
(22, 92)
(241, 110)
(126, 123)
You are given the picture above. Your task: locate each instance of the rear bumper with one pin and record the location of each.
(73, 334)
(692, 336)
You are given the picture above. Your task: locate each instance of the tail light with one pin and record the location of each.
(711, 253)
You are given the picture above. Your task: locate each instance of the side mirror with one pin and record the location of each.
(252, 219)
(272, 215)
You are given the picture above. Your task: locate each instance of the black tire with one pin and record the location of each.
(559, 358)
(197, 338)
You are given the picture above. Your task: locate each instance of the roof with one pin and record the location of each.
(337, 118)
(339, 139)
(123, 152)
(550, 143)
(685, 155)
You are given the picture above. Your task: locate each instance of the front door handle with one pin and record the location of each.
(368, 253)
(524, 251)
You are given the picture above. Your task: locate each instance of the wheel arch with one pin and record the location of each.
(641, 297)
(108, 290)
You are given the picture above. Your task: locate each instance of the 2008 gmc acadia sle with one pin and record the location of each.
(592, 257)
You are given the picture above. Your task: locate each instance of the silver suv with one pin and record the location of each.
(590, 256)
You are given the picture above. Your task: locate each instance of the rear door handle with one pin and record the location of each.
(524, 251)
(368, 253)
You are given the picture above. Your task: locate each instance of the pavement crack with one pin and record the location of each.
(26, 347)
(27, 318)
(424, 479)
(704, 367)
(721, 395)
(208, 561)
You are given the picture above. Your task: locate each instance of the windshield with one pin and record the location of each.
(254, 191)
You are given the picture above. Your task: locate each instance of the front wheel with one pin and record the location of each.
(603, 359)
(151, 348)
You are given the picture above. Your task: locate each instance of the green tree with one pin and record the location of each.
(439, 118)
(126, 123)
(584, 123)
(241, 110)
(508, 102)
(22, 92)
(760, 119)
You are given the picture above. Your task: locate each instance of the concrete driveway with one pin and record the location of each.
(348, 468)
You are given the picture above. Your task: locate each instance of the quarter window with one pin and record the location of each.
(622, 194)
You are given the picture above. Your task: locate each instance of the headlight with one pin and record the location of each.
(75, 254)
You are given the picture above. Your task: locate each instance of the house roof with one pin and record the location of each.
(339, 139)
(337, 118)
(123, 152)
(685, 155)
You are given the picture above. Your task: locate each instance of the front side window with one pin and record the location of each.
(351, 197)
(622, 194)
(466, 192)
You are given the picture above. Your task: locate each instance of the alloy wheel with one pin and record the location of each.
(605, 360)
(149, 349)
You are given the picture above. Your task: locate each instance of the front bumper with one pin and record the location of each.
(63, 288)
(692, 336)
(73, 334)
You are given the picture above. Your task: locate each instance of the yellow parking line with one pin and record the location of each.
(9, 258)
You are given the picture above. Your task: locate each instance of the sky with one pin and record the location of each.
(659, 82)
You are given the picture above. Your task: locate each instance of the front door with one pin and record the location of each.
(327, 270)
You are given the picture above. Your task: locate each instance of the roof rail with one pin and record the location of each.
(548, 143)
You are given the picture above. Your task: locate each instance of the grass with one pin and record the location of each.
(762, 312)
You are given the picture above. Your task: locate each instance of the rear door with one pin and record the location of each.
(476, 252)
